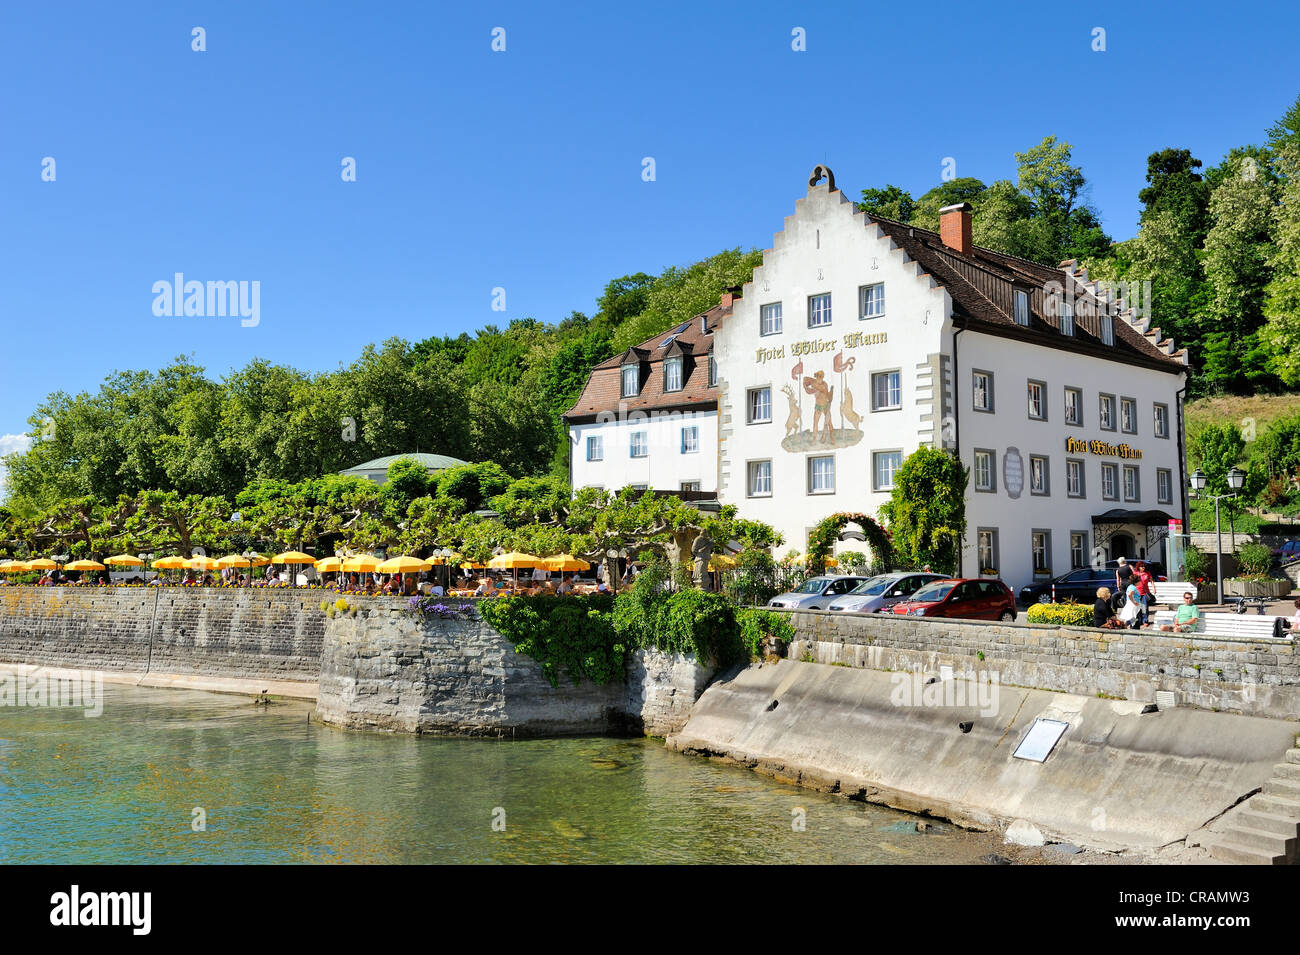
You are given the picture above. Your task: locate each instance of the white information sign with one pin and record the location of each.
(1038, 742)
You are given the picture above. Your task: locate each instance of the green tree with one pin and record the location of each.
(926, 510)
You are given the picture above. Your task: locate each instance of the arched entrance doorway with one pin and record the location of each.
(1121, 545)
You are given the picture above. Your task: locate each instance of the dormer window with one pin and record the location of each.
(673, 373)
(631, 380)
(1067, 316)
(1108, 330)
(713, 371)
(1021, 299)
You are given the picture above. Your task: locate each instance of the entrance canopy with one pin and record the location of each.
(1113, 526)
(1118, 515)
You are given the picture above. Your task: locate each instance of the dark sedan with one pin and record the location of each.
(1080, 585)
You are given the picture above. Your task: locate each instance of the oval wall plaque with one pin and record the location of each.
(1013, 473)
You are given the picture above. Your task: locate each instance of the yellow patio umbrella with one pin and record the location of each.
(12, 567)
(722, 562)
(473, 565)
(565, 562)
(361, 564)
(330, 564)
(200, 562)
(124, 560)
(84, 565)
(293, 557)
(514, 560)
(42, 563)
(169, 563)
(803, 559)
(403, 565)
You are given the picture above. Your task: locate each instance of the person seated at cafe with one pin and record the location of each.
(1187, 618)
(566, 585)
(1102, 614)
(483, 589)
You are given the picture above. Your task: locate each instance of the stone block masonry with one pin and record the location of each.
(384, 669)
(225, 633)
(1240, 676)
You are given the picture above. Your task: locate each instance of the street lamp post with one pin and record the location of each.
(1236, 480)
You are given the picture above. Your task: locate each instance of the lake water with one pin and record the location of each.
(275, 787)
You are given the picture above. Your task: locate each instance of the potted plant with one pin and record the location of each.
(1255, 580)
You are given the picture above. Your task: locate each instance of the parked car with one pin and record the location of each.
(1080, 585)
(816, 593)
(974, 599)
(881, 592)
(1290, 550)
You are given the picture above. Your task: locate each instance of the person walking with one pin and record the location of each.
(1143, 580)
(1123, 576)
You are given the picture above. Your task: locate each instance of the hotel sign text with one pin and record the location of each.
(1075, 446)
(818, 345)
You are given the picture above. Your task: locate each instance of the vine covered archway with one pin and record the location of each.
(823, 537)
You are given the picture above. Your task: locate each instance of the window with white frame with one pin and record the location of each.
(713, 371)
(690, 439)
(760, 478)
(819, 310)
(988, 549)
(631, 380)
(1110, 482)
(1106, 404)
(1107, 330)
(595, 448)
(639, 446)
(1161, 414)
(985, 470)
(769, 319)
(689, 486)
(1038, 476)
(1040, 542)
(1164, 486)
(1038, 400)
(1067, 315)
(982, 390)
(673, 373)
(760, 405)
(821, 474)
(1132, 492)
(1021, 307)
(1078, 549)
(1128, 415)
(1074, 477)
(885, 466)
(886, 391)
(1074, 406)
(871, 301)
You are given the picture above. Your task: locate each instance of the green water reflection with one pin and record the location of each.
(278, 788)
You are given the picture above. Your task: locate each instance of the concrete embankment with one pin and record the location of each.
(384, 669)
(1117, 778)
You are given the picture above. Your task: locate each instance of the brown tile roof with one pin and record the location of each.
(603, 391)
(981, 283)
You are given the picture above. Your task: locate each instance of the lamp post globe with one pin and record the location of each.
(1236, 479)
(1197, 479)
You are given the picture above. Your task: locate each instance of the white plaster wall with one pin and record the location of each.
(664, 468)
(1013, 364)
(825, 247)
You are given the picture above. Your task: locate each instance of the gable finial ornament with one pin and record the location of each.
(822, 172)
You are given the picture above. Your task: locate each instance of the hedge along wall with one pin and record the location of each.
(240, 633)
(1258, 679)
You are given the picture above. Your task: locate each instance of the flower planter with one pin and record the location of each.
(1207, 593)
(1238, 587)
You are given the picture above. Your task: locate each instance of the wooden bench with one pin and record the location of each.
(1232, 625)
(1171, 592)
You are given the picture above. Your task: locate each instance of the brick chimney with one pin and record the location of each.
(954, 226)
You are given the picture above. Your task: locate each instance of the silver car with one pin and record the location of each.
(816, 593)
(879, 593)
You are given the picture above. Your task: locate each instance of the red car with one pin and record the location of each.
(973, 599)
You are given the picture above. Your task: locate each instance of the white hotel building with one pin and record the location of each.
(860, 339)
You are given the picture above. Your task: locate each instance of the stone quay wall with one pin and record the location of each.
(1255, 678)
(387, 670)
(251, 633)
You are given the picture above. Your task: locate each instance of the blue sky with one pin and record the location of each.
(522, 169)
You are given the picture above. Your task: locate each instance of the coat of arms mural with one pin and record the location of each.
(821, 431)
